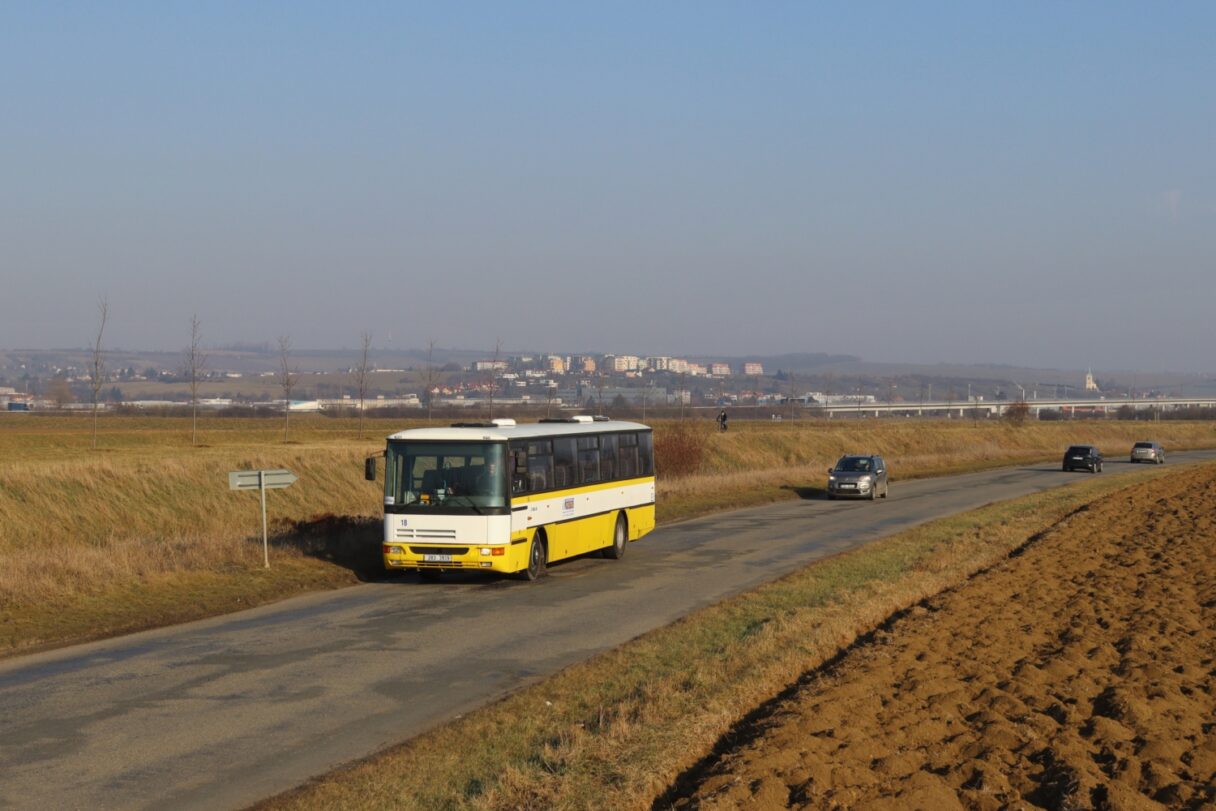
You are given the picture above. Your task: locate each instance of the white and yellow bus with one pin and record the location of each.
(512, 498)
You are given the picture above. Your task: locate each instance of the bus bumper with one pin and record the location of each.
(503, 558)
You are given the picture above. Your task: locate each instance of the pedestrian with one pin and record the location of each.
(722, 420)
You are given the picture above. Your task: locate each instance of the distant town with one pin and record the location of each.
(259, 378)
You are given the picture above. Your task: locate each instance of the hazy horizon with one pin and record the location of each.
(1029, 185)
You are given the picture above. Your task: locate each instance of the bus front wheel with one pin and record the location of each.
(620, 536)
(536, 558)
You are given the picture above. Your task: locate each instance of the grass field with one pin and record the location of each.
(143, 531)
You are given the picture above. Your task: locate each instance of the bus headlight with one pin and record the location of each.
(390, 549)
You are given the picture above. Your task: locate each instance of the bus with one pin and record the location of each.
(511, 498)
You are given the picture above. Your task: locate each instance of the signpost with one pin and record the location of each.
(261, 480)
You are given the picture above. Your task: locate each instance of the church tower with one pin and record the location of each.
(1090, 384)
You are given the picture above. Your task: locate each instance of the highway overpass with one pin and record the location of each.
(967, 408)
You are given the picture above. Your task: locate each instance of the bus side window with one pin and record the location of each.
(628, 455)
(519, 467)
(563, 462)
(540, 473)
(588, 459)
(608, 454)
(646, 453)
(540, 465)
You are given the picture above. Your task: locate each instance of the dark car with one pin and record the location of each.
(858, 477)
(1083, 457)
(1148, 452)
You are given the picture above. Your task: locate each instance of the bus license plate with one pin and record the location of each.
(437, 558)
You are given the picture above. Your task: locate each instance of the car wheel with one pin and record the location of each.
(536, 559)
(886, 489)
(620, 536)
(874, 491)
(831, 496)
(1161, 460)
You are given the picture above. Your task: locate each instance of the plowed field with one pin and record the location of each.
(1079, 673)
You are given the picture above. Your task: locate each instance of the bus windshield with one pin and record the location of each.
(445, 474)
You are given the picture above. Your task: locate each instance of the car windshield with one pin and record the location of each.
(854, 464)
(445, 474)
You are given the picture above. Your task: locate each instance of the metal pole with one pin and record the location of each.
(265, 542)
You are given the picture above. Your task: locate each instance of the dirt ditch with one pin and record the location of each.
(1080, 673)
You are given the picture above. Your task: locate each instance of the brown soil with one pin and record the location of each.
(1079, 673)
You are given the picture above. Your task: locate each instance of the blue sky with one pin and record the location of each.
(1026, 183)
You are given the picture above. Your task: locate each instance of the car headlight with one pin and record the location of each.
(864, 480)
(831, 478)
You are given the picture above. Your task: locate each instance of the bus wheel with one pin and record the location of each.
(619, 538)
(536, 559)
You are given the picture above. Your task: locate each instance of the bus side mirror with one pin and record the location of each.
(369, 468)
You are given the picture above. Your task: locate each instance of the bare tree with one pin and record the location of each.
(58, 391)
(1017, 412)
(287, 380)
(431, 378)
(97, 367)
(365, 340)
(493, 370)
(599, 391)
(196, 364)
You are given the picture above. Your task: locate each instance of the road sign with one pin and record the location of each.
(262, 480)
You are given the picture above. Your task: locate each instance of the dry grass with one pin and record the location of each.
(765, 462)
(145, 532)
(618, 730)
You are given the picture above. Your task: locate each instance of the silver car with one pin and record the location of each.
(858, 477)
(1148, 452)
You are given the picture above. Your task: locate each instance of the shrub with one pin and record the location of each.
(679, 448)
(1017, 412)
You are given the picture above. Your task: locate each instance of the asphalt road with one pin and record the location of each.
(223, 712)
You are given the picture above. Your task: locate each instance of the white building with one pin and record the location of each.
(622, 363)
